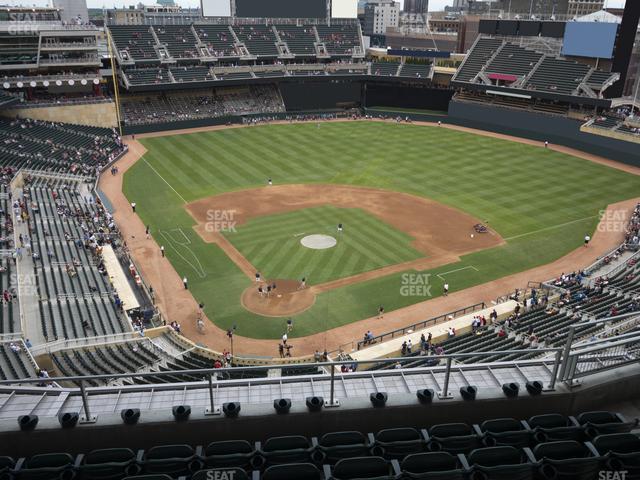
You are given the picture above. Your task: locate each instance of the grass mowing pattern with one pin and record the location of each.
(272, 244)
(542, 202)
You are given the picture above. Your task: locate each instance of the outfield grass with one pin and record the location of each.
(272, 244)
(540, 201)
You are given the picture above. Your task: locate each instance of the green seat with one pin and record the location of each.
(505, 432)
(362, 468)
(48, 466)
(501, 463)
(433, 466)
(288, 449)
(292, 471)
(567, 460)
(601, 423)
(336, 445)
(397, 443)
(453, 438)
(622, 451)
(109, 463)
(174, 460)
(230, 453)
(553, 427)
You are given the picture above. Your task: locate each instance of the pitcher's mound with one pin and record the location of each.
(318, 242)
(286, 300)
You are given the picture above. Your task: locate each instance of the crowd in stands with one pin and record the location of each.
(201, 104)
(57, 147)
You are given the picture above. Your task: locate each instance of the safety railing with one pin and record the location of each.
(211, 377)
(420, 325)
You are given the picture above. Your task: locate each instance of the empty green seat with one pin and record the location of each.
(622, 451)
(110, 463)
(501, 463)
(553, 426)
(173, 460)
(505, 431)
(362, 468)
(336, 445)
(230, 453)
(397, 442)
(48, 466)
(292, 471)
(288, 449)
(567, 460)
(433, 466)
(453, 438)
(600, 423)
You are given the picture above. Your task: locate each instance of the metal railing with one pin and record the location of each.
(211, 377)
(602, 356)
(82, 342)
(420, 325)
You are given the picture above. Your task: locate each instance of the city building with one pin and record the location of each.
(380, 15)
(72, 11)
(416, 6)
(151, 15)
(584, 7)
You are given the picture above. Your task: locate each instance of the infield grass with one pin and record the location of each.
(540, 201)
(272, 244)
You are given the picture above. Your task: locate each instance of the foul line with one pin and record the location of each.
(163, 179)
(198, 269)
(456, 270)
(551, 227)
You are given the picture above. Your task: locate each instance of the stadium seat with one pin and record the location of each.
(230, 453)
(396, 443)
(174, 460)
(47, 466)
(337, 445)
(291, 449)
(434, 466)
(622, 452)
(362, 468)
(567, 459)
(453, 438)
(600, 423)
(110, 463)
(553, 427)
(292, 471)
(158, 476)
(505, 431)
(498, 463)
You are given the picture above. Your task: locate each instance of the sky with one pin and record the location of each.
(433, 4)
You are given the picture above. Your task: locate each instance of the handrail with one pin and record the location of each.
(422, 324)
(329, 365)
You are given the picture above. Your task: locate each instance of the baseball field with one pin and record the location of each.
(406, 195)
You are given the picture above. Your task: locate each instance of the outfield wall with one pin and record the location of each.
(99, 114)
(538, 126)
(320, 94)
(404, 96)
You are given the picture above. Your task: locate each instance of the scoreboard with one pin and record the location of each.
(280, 8)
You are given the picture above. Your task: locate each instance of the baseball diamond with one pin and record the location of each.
(497, 182)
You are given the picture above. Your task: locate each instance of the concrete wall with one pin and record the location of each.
(102, 114)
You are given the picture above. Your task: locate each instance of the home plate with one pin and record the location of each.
(279, 296)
